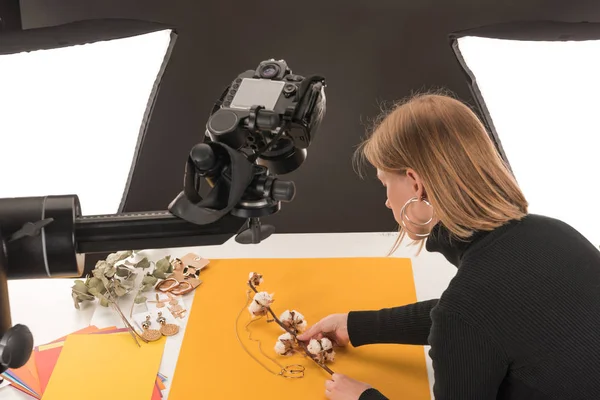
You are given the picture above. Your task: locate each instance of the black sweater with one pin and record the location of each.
(520, 320)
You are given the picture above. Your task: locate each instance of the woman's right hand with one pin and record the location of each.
(334, 327)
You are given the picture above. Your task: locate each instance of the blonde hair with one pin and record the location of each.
(465, 179)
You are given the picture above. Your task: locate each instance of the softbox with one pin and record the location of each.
(75, 101)
(537, 85)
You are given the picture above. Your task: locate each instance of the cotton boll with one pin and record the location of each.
(293, 320)
(314, 347)
(286, 337)
(285, 345)
(285, 316)
(259, 304)
(256, 309)
(263, 298)
(298, 318)
(326, 344)
(301, 327)
(330, 356)
(255, 278)
(281, 348)
(322, 349)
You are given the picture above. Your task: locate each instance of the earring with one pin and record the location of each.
(177, 265)
(150, 335)
(159, 303)
(191, 272)
(404, 215)
(173, 301)
(166, 329)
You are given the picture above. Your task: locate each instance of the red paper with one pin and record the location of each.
(46, 361)
(157, 394)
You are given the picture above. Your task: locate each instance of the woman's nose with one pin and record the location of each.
(387, 204)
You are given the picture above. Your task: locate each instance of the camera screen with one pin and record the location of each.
(257, 92)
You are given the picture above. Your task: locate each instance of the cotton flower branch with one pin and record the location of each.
(292, 322)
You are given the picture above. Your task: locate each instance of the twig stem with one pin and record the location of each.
(285, 328)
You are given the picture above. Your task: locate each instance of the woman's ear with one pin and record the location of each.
(416, 183)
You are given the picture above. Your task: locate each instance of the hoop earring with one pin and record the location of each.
(404, 215)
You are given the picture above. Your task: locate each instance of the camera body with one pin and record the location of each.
(259, 128)
(270, 114)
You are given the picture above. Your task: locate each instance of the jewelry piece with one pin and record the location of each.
(404, 215)
(191, 271)
(175, 308)
(173, 301)
(177, 264)
(150, 335)
(166, 329)
(179, 313)
(167, 284)
(159, 303)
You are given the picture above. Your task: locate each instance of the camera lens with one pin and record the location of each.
(269, 71)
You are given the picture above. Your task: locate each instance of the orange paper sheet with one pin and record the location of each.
(28, 375)
(87, 360)
(211, 357)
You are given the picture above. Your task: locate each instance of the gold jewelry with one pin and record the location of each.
(173, 301)
(150, 335)
(166, 329)
(179, 313)
(159, 303)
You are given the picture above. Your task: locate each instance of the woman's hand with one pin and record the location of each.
(334, 327)
(340, 387)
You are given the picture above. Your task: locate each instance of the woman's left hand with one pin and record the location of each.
(340, 387)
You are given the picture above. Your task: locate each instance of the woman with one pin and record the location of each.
(521, 318)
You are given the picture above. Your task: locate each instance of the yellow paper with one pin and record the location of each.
(52, 345)
(100, 367)
(213, 365)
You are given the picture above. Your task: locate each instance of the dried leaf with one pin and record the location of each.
(122, 255)
(110, 272)
(114, 258)
(104, 301)
(101, 264)
(149, 280)
(105, 281)
(98, 273)
(146, 288)
(94, 282)
(143, 263)
(129, 282)
(163, 264)
(139, 299)
(80, 287)
(119, 289)
(123, 271)
(75, 300)
(159, 274)
(94, 291)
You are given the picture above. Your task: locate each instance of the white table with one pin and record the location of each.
(46, 307)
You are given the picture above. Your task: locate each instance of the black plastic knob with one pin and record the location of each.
(283, 190)
(203, 157)
(15, 347)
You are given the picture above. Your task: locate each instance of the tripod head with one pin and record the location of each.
(259, 128)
